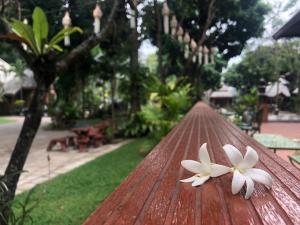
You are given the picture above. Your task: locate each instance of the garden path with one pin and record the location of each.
(38, 168)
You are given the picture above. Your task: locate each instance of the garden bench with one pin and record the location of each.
(153, 194)
(277, 142)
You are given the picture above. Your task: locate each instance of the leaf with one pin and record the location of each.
(40, 28)
(25, 31)
(14, 37)
(58, 48)
(61, 35)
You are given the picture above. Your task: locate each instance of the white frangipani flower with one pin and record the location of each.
(204, 169)
(243, 171)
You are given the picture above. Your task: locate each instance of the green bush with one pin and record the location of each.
(166, 105)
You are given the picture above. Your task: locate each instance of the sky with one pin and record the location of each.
(147, 48)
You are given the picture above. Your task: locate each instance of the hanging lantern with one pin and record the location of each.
(166, 13)
(205, 51)
(179, 34)
(213, 51)
(133, 15)
(174, 24)
(25, 47)
(67, 22)
(186, 40)
(200, 49)
(193, 46)
(97, 13)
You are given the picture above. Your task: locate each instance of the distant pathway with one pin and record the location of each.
(37, 167)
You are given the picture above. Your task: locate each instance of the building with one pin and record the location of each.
(15, 89)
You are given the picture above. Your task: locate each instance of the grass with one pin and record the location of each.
(70, 198)
(5, 121)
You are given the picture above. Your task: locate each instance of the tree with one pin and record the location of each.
(46, 66)
(267, 62)
(226, 25)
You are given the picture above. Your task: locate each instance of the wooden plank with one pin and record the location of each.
(152, 194)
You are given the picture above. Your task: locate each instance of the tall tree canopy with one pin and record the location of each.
(226, 25)
(267, 62)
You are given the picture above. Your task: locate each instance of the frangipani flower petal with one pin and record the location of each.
(238, 182)
(200, 180)
(203, 154)
(234, 155)
(250, 187)
(192, 166)
(219, 170)
(250, 159)
(260, 176)
(190, 179)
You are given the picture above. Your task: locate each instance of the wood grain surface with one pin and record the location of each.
(153, 195)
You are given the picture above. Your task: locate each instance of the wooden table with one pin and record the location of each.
(152, 193)
(277, 142)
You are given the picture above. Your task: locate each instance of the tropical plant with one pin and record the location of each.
(36, 36)
(246, 101)
(166, 105)
(46, 66)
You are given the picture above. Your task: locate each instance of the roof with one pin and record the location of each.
(11, 83)
(153, 194)
(6, 72)
(277, 88)
(224, 92)
(290, 29)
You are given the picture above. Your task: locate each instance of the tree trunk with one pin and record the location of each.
(113, 89)
(159, 41)
(28, 132)
(134, 81)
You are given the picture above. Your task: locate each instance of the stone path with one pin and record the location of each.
(38, 168)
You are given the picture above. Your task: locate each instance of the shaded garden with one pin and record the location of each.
(87, 61)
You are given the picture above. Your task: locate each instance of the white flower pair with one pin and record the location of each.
(243, 171)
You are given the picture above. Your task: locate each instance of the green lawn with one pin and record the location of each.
(5, 121)
(70, 198)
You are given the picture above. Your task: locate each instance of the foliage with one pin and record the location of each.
(70, 198)
(165, 107)
(246, 101)
(20, 213)
(233, 24)
(35, 36)
(64, 114)
(267, 62)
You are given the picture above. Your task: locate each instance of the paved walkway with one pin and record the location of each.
(284, 116)
(38, 168)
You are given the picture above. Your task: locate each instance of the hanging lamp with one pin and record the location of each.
(180, 34)
(193, 46)
(200, 50)
(67, 22)
(213, 51)
(166, 13)
(186, 40)
(205, 51)
(133, 15)
(174, 24)
(97, 14)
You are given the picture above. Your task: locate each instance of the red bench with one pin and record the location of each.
(152, 193)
